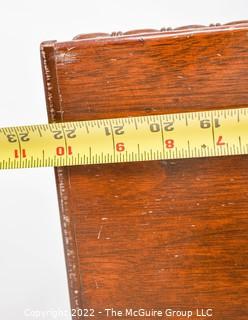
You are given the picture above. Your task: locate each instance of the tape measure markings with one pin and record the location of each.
(155, 137)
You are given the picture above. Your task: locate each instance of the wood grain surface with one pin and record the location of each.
(155, 234)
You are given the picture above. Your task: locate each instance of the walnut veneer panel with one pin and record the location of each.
(153, 234)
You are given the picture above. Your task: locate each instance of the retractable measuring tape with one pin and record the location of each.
(154, 137)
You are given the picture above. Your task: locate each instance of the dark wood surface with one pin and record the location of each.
(162, 234)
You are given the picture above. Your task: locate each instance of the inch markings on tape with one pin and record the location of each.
(155, 137)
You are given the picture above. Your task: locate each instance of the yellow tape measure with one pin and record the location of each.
(156, 137)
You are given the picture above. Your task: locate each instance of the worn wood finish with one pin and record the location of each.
(162, 234)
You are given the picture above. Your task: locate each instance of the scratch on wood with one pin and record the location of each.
(68, 238)
(96, 284)
(99, 233)
(49, 85)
